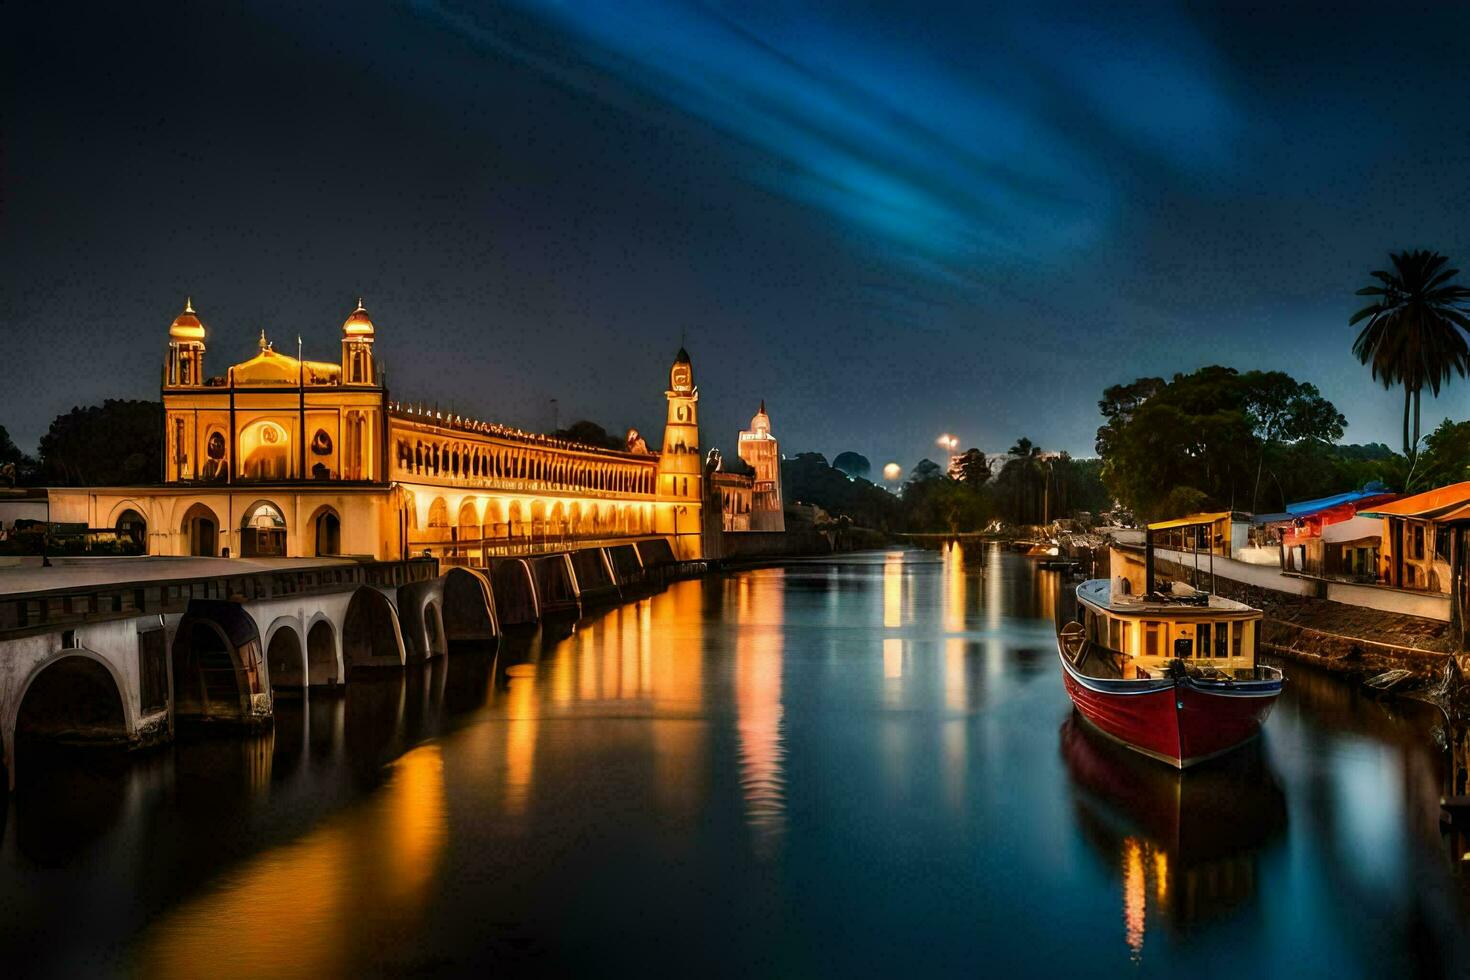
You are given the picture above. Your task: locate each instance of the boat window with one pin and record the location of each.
(1222, 640)
(1239, 641)
(1153, 639)
(1202, 633)
(1115, 634)
(1183, 647)
(1126, 642)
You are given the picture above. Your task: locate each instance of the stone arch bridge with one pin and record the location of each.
(125, 652)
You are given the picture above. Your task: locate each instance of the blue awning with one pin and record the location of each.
(1322, 503)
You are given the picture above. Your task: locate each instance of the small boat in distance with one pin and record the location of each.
(1171, 674)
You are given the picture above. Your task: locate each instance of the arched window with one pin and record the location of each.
(265, 451)
(201, 529)
(132, 533)
(328, 528)
(263, 532)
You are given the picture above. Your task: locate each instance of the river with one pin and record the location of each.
(858, 766)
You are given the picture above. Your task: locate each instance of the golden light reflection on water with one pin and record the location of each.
(676, 688)
(892, 658)
(893, 590)
(954, 588)
(1135, 895)
(1140, 860)
(302, 909)
(758, 662)
(522, 716)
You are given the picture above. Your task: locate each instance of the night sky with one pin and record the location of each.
(889, 221)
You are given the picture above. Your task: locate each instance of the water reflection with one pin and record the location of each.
(758, 659)
(319, 906)
(1185, 844)
(719, 780)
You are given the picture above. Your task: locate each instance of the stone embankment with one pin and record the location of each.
(1335, 635)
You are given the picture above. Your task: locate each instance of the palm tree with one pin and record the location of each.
(1415, 331)
(1029, 457)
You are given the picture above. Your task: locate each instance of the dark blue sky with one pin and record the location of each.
(888, 221)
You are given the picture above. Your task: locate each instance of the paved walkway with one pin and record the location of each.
(28, 575)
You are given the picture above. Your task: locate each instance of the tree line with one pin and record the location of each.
(1218, 438)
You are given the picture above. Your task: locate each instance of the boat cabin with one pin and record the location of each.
(1143, 634)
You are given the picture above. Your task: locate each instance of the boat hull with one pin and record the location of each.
(1181, 722)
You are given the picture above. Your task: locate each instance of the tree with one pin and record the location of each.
(1215, 431)
(1282, 409)
(15, 465)
(806, 478)
(115, 443)
(1446, 456)
(925, 470)
(1414, 330)
(855, 465)
(974, 468)
(590, 434)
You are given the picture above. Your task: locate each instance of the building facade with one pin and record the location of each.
(280, 456)
(762, 453)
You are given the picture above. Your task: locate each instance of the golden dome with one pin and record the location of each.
(186, 325)
(358, 324)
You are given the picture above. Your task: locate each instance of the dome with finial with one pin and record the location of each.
(761, 422)
(358, 324)
(186, 325)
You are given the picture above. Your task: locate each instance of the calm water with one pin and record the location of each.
(856, 767)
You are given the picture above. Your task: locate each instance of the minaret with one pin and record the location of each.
(357, 348)
(761, 451)
(185, 366)
(680, 467)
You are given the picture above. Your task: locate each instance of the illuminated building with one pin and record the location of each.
(761, 451)
(281, 456)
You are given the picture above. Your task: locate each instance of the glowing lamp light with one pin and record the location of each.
(892, 471)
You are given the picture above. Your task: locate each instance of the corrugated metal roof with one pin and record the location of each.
(1193, 520)
(1431, 504)
(1322, 503)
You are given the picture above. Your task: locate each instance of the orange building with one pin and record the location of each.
(282, 456)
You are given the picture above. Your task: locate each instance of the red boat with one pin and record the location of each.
(1171, 674)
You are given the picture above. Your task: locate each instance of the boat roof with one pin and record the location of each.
(1099, 592)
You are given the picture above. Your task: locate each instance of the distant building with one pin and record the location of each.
(280, 456)
(760, 450)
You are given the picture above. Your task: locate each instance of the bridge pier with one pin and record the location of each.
(124, 662)
(556, 585)
(516, 598)
(469, 608)
(594, 576)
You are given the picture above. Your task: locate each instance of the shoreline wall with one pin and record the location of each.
(1332, 634)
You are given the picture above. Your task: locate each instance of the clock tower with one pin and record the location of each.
(680, 467)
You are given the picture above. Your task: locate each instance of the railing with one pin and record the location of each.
(43, 611)
(472, 552)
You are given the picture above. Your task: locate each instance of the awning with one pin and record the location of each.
(1353, 530)
(1426, 505)
(1282, 518)
(1351, 497)
(1193, 520)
